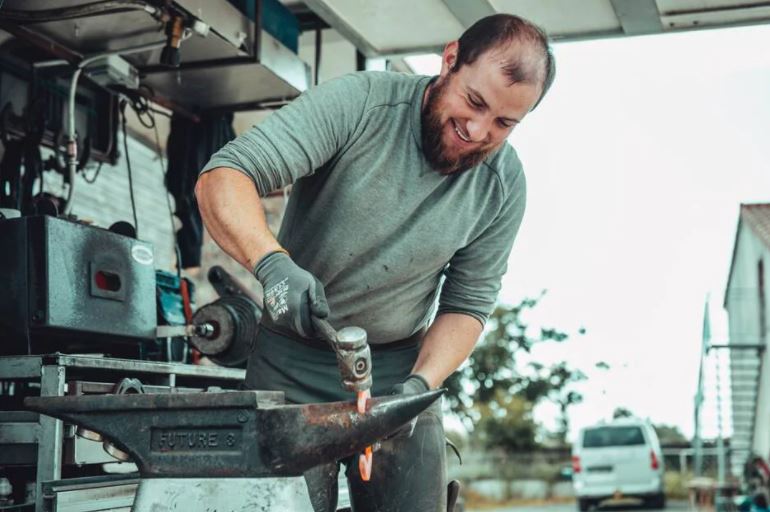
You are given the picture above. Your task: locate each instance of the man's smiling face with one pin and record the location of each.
(468, 113)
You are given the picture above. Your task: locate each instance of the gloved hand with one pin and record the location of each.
(292, 295)
(413, 385)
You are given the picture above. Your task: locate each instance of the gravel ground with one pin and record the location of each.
(572, 507)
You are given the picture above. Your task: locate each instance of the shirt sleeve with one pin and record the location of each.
(300, 137)
(474, 273)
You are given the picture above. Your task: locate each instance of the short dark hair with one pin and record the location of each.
(495, 31)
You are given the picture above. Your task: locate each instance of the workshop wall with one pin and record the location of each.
(107, 199)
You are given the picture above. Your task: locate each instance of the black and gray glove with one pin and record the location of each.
(292, 295)
(413, 385)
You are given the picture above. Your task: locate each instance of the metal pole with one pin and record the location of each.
(697, 441)
(720, 440)
(49, 443)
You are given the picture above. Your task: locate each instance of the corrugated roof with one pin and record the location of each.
(757, 218)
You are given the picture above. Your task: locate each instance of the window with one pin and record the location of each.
(602, 437)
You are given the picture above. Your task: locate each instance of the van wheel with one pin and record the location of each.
(584, 505)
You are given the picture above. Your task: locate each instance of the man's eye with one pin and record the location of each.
(504, 124)
(474, 103)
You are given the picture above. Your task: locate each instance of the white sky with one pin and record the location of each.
(636, 164)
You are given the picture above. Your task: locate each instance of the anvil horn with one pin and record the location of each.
(301, 437)
(231, 434)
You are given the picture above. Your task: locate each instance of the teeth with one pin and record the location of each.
(459, 133)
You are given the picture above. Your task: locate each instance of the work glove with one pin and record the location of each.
(413, 385)
(292, 295)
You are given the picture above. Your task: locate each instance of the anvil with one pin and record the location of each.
(233, 451)
(231, 434)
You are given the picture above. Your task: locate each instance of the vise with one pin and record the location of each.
(230, 450)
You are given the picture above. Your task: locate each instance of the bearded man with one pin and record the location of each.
(400, 182)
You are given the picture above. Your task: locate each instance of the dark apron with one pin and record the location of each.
(408, 474)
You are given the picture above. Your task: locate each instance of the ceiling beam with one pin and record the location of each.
(469, 12)
(638, 16)
(330, 16)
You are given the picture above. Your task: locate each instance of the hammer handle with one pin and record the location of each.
(325, 330)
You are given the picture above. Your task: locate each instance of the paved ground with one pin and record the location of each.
(572, 507)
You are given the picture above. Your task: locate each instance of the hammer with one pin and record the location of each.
(354, 359)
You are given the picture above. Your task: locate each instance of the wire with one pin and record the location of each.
(92, 179)
(128, 165)
(160, 112)
(164, 170)
(72, 140)
(143, 111)
(178, 253)
(318, 43)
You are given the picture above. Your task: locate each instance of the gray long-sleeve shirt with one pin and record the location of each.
(369, 217)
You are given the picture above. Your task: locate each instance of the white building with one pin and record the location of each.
(746, 301)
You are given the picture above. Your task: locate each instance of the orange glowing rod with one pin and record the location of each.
(365, 459)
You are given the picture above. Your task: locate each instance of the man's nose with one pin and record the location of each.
(478, 128)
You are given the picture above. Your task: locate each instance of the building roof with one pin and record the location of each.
(757, 218)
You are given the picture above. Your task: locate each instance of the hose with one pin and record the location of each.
(72, 140)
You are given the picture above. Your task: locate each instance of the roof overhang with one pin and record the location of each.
(399, 27)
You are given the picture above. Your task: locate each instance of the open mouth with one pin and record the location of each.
(459, 133)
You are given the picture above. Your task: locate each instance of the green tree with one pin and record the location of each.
(506, 423)
(494, 394)
(670, 434)
(621, 412)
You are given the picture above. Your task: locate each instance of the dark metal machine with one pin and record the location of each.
(65, 284)
(225, 329)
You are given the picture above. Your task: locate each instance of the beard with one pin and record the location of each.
(432, 129)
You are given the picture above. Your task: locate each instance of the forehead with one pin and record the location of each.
(486, 77)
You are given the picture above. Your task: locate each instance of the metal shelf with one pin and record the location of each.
(29, 439)
(236, 66)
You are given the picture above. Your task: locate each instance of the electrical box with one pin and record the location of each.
(69, 287)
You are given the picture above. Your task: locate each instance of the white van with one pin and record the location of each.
(618, 459)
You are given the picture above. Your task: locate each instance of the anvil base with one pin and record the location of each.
(270, 494)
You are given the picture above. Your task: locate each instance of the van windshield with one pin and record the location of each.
(612, 436)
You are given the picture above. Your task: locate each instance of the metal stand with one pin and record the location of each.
(230, 494)
(28, 439)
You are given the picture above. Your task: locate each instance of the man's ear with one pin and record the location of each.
(449, 57)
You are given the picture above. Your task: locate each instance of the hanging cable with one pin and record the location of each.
(72, 140)
(318, 45)
(128, 165)
(160, 112)
(141, 107)
(164, 170)
(92, 179)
